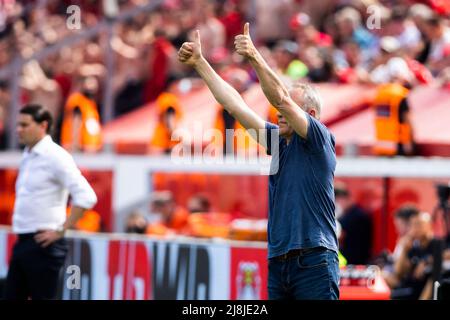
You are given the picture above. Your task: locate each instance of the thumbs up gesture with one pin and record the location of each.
(243, 43)
(190, 53)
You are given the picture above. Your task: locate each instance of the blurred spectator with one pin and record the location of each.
(4, 105)
(136, 223)
(404, 30)
(350, 27)
(393, 126)
(160, 58)
(306, 33)
(318, 63)
(285, 54)
(40, 89)
(211, 29)
(414, 265)
(317, 10)
(232, 14)
(420, 13)
(356, 227)
(349, 65)
(81, 128)
(198, 204)
(313, 50)
(272, 20)
(5, 50)
(439, 34)
(390, 65)
(131, 68)
(412, 45)
(402, 222)
(178, 22)
(169, 116)
(173, 218)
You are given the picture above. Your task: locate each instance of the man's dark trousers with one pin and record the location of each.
(307, 274)
(34, 271)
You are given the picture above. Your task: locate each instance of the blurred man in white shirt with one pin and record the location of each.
(438, 31)
(47, 175)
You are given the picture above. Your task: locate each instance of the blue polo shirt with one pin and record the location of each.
(301, 192)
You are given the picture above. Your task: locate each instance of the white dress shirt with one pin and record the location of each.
(47, 175)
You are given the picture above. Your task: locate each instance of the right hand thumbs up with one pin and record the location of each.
(243, 43)
(247, 29)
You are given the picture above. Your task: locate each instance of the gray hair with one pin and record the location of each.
(312, 98)
(349, 14)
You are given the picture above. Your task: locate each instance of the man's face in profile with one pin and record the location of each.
(28, 130)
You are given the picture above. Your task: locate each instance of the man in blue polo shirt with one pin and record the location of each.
(303, 259)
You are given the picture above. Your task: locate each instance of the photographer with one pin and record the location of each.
(402, 222)
(415, 262)
(443, 210)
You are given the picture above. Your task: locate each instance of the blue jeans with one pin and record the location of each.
(312, 275)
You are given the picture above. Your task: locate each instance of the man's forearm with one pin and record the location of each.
(231, 100)
(75, 214)
(401, 266)
(272, 86)
(224, 93)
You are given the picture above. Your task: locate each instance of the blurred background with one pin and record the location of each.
(165, 229)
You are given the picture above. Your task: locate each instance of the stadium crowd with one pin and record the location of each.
(317, 41)
(338, 41)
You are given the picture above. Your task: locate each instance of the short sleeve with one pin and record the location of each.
(317, 136)
(68, 174)
(271, 134)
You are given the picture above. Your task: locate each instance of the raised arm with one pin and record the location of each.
(273, 88)
(190, 53)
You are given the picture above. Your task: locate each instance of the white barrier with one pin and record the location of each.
(131, 173)
(133, 267)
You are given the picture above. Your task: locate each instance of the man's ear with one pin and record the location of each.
(44, 125)
(313, 113)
